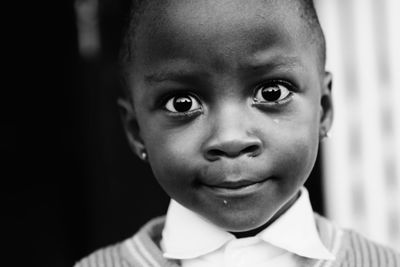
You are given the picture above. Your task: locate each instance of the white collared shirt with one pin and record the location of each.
(197, 242)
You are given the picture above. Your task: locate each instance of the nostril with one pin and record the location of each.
(215, 153)
(251, 150)
(233, 150)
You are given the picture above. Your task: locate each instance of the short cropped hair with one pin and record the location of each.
(306, 10)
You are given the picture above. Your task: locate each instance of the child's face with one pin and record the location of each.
(227, 97)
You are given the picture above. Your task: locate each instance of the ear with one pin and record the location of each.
(326, 117)
(131, 127)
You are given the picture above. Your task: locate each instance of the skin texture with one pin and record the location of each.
(220, 54)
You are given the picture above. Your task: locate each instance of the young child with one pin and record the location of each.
(228, 101)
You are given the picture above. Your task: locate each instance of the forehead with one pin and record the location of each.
(229, 30)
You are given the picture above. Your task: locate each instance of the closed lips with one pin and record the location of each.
(236, 184)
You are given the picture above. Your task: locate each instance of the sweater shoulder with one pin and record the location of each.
(351, 249)
(110, 256)
(140, 250)
(360, 251)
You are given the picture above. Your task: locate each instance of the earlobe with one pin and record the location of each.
(326, 117)
(131, 127)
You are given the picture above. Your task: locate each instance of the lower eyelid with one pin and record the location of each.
(275, 103)
(184, 115)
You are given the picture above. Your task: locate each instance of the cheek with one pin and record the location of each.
(295, 146)
(293, 165)
(299, 158)
(173, 155)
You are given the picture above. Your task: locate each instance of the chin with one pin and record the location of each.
(241, 221)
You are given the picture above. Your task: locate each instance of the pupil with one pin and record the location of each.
(271, 94)
(182, 104)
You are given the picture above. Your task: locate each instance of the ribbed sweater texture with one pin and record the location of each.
(142, 250)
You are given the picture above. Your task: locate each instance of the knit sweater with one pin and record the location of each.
(350, 249)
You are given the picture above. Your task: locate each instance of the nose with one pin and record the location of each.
(233, 148)
(233, 134)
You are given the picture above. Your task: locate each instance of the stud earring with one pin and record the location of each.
(324, 134)
(143, 155)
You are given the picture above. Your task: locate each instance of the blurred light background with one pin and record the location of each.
(361, 170)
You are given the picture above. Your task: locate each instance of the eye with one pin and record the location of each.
(182, 104)
(275, 92)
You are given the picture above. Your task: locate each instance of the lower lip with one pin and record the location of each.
(236, 192)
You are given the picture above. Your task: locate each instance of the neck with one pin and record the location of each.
(257, 230)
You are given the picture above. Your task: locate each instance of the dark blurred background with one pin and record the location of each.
(71, 184)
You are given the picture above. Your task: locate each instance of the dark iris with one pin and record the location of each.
(271, 93)
(182, 104)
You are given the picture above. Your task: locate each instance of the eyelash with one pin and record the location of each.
(181, 94)
(191, 113)
(277, 84)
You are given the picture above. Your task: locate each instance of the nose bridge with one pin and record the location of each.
(230, 121)
(232, 133)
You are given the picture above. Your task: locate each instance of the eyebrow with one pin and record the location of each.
(256, 64)
(266, 64)
(175, 75)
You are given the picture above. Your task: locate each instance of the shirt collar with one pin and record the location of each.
(295, 231)
(188, 235)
